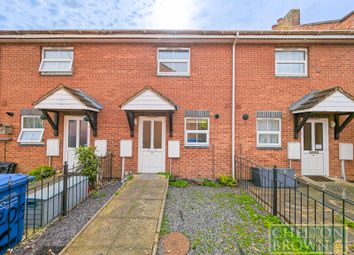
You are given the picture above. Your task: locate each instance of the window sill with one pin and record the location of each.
(196, 146)
(291, 76)
(30, 144)
(269, 148)
(56, 74)
(174, 75)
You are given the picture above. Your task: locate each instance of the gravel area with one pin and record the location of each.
(216, 220)
(58, 234)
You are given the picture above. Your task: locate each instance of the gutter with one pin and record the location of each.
(246, 36)
(233, 105)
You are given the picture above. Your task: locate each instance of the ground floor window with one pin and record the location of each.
(196, 131)
(268, 132)
(31, 130)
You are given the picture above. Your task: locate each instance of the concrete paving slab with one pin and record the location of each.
(128, 251)
(145, 208)
(99, 250)
(128, 224)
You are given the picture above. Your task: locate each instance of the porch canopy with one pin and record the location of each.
(334, 101)
(65, 99)
(148, 101)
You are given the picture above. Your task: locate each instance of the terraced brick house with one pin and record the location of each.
(217, 93)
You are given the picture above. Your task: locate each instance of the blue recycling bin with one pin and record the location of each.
(12, 209)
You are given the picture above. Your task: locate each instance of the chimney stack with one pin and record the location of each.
(291, 19)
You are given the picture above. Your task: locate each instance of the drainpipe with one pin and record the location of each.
(233, 105)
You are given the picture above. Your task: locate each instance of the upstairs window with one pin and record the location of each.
(291, 62)
(197, 131)
(31, 130)
(173, 62)
(268, 132)
(57, 61)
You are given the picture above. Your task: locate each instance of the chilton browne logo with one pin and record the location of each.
(308, 239)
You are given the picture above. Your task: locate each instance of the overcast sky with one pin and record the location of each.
(162, 14)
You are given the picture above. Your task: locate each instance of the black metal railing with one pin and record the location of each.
(297, 202)
(26, 205)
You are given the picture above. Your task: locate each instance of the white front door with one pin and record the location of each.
(151, 144)
(314, 159)
(76, 133)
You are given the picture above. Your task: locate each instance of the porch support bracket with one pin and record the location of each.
(339, 127)
(54, 123)
(298, 124)
(91, 117)
(170, 121)
(130, 118)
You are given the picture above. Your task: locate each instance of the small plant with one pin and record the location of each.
(88, 161)
(130, 177)
(179, 183)
(227, 181)
(349, 224)
(166, 174)
(209, 183)
(42, 172)
(165, 227)
(96, 194)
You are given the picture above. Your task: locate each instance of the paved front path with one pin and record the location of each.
(129, 222)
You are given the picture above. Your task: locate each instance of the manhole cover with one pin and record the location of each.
(175, 243)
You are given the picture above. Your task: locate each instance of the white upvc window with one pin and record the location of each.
(268, 132)
(57, 61)
(173, 62)
(291, 62)
(31, 130)
(196, 131)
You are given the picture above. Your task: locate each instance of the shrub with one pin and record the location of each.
(179, 183)
(42, 172)
(227, 181)
(88, 162)
(210, 183)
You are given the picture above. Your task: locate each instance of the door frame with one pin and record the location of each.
(325, 144)
(66, 127)
(140, 140)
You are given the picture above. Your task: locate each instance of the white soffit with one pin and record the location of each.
(62, 100)
(148, 101)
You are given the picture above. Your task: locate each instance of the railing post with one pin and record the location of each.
(275, 191)
(65, 189)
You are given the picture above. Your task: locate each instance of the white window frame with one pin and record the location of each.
(269, 145)
(305, 62)
(56, 60)
(40, 141)
(173, 61)
(186, 132)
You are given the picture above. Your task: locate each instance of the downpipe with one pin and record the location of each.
(233, 105)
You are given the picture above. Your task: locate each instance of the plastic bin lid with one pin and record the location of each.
(15, 179)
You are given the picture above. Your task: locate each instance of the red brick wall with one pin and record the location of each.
(111, 73)
(257, 88)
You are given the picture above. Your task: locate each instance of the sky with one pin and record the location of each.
(163, 14)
